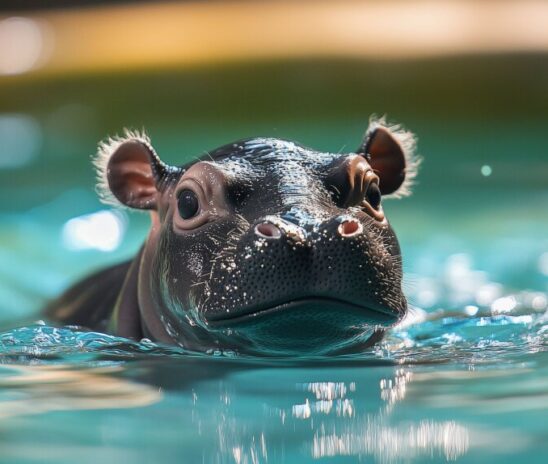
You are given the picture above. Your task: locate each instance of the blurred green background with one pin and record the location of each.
(475, 227)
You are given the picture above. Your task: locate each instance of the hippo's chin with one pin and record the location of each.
(311, 326)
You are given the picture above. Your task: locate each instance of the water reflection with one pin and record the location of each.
(103, 230)
(373, 435)
(461, 285)
(465, 385)
(28, 390)
(425, 439)
(21, 137)
(393, 390)
(234, 410)
(543, 263)
(323, 419)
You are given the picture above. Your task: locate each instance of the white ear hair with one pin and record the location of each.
(105, 150)
(408, 142)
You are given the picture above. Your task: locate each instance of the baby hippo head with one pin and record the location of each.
(265, 246)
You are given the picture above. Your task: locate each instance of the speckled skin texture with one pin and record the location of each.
(287, 252)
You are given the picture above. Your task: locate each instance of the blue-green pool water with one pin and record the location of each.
(463, 378)
(457, 388)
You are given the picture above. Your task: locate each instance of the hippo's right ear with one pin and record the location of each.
(390, 150)
(129, 171)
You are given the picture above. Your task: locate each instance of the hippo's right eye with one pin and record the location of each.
(188, 204)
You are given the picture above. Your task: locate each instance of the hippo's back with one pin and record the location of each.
(91, 301)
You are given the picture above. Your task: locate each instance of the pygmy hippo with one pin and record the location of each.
(261, 246)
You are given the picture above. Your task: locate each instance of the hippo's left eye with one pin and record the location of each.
(373, 195)
(188, 204)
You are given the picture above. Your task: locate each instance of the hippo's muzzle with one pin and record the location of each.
(292, 286)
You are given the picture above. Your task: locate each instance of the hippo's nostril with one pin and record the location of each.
(350, 228)
(268, 230)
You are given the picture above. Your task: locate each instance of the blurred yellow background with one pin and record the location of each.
(170, 34)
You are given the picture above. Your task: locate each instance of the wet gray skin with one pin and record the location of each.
(262, 246)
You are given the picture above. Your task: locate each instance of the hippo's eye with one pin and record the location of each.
(188, 204)
(373, 195)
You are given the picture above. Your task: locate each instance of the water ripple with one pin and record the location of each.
(441, 336)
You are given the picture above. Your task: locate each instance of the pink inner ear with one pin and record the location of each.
(130, 176)
(387, 160)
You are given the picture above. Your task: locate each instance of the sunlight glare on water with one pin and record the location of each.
(102, 231)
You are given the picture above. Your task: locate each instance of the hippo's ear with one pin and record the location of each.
(390, 150)
(129, 171)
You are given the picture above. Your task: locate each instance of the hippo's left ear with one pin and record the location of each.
(130, 172)
(390, 150)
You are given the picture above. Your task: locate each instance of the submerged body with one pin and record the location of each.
(262, 246)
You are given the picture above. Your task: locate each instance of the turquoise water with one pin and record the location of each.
(456, 388)
(463, 378)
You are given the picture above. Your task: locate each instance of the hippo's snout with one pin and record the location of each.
(289, 288)
(338, 265)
